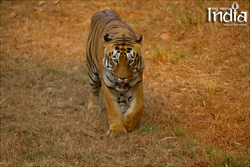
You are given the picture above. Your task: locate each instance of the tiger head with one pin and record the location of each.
(123, 61)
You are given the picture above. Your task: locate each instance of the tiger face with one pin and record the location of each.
(122, 63)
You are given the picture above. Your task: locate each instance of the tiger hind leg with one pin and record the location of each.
(93, 103)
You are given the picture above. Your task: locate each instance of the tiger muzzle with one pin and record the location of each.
(122, 83)
(121, 86)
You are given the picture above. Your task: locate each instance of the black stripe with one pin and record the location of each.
(133, 79)
(110, 87)
(90, 76)
(138, 82)
(93, 86)
(109, 78)
(130, 98)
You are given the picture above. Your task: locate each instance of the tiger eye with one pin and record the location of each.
(115, 61)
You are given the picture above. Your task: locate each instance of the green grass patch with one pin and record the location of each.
(187, 152)
(159, 55)
(176, 119)
(174, 57)
(153, 69)
(211, 90)
(179, 131)
(189, 149)
(88, 4)
(209, 150)
(169, 146)
(162, 55)
(48, 69)
(240, 118)
(226, 160)
(170, 9)
(34, 155)
(189, 18)
(195, 96)
(85, 79)
(149, 128)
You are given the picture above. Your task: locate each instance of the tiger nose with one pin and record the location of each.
(123, 78)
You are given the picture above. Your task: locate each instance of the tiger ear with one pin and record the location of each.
(139, 40)
(107, 38)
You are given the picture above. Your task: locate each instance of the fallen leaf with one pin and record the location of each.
(13, 15)
(55, 3)
(15, 41)
(38, 9)
(164, 36)
(106, 8)
(41, 3)
(28, 41)
(132, 14)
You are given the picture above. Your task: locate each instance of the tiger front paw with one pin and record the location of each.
(131, 124)
(116, 130)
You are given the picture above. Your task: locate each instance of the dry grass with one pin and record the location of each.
(196, 87)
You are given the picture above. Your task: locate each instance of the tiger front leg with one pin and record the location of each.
(114, 115)
(133, 115)
(93, 103)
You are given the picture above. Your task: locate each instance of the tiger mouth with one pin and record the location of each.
(122, 84)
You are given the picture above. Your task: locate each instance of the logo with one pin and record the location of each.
(227, 15)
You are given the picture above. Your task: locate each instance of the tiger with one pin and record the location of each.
(115, 64)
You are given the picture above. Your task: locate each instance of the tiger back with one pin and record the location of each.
(115, 63)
